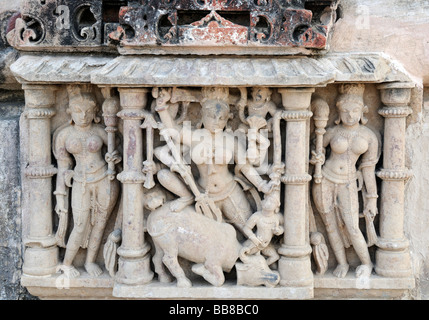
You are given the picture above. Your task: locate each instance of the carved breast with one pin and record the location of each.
(339, 144)
(77, 145)
(357, 144)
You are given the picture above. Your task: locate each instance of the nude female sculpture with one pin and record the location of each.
(336, 196)
(93, 193)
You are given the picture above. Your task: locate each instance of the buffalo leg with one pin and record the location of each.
(160, 269)
(170, 260)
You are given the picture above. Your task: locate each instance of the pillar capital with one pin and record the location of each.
(39, 96)
(396, 94)
(296, 98)
(133, 98)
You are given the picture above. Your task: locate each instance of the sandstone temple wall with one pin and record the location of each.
(377, 52)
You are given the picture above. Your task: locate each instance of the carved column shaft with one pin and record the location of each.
(134, 261)
(392, 257)
(294, 264)
(41, 255)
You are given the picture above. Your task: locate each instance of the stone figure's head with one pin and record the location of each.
(83, 106)
(215, 108)
(261, 94)
(350, 105)
(270, 204)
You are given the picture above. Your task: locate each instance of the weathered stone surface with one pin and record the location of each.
(208, 71)
(160, 26)
(400, 218)
(10, 203)
(397, 28)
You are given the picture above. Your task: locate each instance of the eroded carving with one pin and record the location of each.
(212, 192)
(89, 173)
(338, 181)
(216, 192)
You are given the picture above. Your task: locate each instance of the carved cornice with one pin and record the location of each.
(149, 71)
(57, 69)
(159, 25)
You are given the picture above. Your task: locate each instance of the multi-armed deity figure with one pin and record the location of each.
(212, 150)
(336, 193)
(201, 223)
(82, 166)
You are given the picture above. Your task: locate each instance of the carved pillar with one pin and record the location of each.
(295, 264)
(41, 254)
(134, 261)
(392, 255)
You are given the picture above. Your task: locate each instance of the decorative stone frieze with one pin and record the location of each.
(162, 26)
(209, 176)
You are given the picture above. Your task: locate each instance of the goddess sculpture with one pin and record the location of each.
(336, 194)
(93, 192)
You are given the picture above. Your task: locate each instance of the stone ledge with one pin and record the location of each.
(329, 281)
(229, 290)
(126, 71)
(103, 287)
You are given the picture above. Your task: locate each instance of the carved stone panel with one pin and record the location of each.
(160, 26)
(195, 191)
(210, 175)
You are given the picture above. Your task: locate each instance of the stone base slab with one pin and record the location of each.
(202, 291)
(326, 286)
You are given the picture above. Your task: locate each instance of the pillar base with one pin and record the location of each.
(393, 264)
(134, 270)
(40, 262)
(294, 267)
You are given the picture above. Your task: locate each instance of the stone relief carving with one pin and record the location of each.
(94, 189)
(86, 25)
(207, 200)
(216, 193)
(336, 185)
(219, 180)
(214, 185)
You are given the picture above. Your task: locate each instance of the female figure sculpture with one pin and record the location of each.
(336, 195)
(212, 156)
(93, 192)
